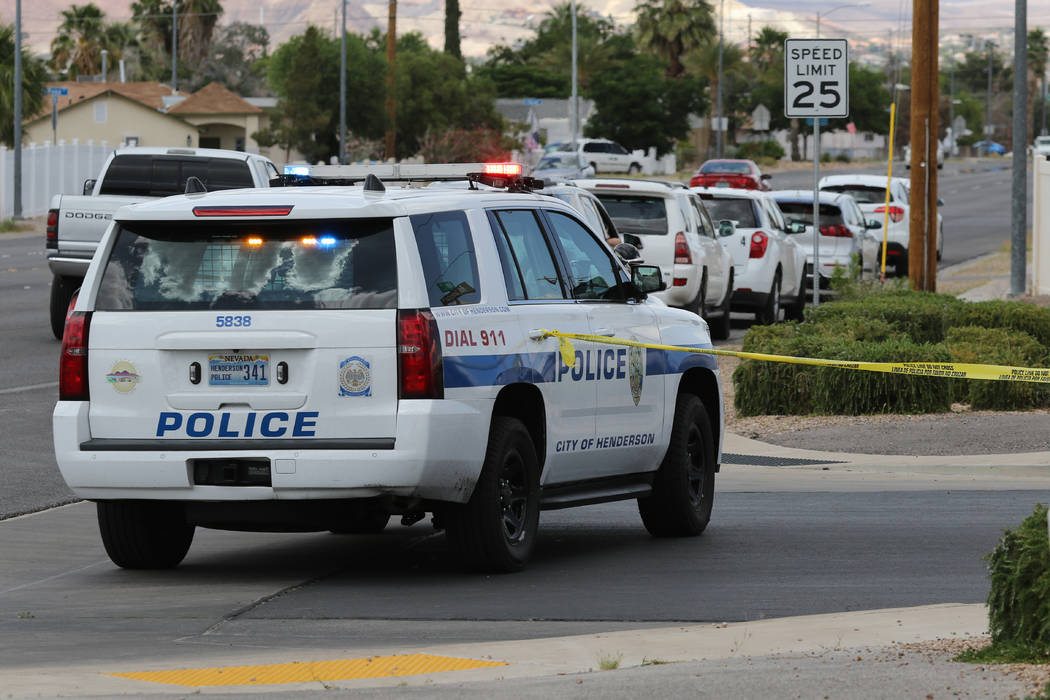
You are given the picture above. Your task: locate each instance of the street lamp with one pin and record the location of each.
(852, 4)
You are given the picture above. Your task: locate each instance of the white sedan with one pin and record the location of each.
(768, 264)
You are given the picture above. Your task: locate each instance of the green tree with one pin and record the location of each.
(452, 15)
(869, 102)
(637, 105)
(767, 51)
(34, 82)
(1038, 49)
(702, 62)
(77, 49)
(197, 20)
(672, 29)
(235, 60)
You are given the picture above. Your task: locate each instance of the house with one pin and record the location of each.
(225, 119)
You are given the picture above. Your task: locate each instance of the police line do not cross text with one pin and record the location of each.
(816, 78)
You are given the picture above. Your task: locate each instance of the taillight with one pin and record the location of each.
(896, 213)
(681, 250)
(73, 363)
(836, 231)
(696, 181)
(52, 229)
(419, 356)
(759, 241)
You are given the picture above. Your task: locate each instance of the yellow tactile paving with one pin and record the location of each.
(307, 671)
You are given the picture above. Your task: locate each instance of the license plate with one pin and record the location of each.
(238, 370)
(721, 183)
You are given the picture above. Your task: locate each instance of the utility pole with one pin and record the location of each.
(922, 243)
(574, 102)
(17, 179)
(1018, 222)
(391, 77)
(174, 45)
(342, 90)
(718, 122)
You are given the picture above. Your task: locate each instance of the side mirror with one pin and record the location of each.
(874, 223)
(766, 176)
(647, 278)
(940, 202)
(726, 228)
(89, 185)
(796, 227)
(634, 240)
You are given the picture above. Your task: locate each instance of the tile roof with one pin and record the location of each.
(214, 99)
(148, 93)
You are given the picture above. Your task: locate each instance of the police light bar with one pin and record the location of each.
(402, 171)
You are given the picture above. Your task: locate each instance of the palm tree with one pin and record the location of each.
(81, 37)
(1038, 49)
(673, 28)
(197, 20)
(767, 51)
(703, 62)
(34, 82)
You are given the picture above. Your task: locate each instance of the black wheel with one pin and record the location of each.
(770, 313)
(722, 323)
(367, 520)
(144, 534)
(684, 487)
(795, 311)
(634, 169)
(496, 530)
(62, 290)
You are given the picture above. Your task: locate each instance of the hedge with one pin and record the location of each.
(1029, 318)
(1019, 599)
(998, 346)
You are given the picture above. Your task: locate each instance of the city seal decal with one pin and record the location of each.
(636, 372)
(355, 377)
(123, 377)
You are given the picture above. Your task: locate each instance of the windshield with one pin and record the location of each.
(636, 214)
(568, 160)
(734, 208)
(182, 266)
(803, 212)
(864, 194)
(722, 166)
(1043, 141)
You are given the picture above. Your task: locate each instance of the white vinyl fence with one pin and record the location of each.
(46, 171)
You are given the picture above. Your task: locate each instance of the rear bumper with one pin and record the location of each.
(437, 454)
(65, 265)
(679, 296)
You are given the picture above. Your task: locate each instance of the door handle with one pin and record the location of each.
(607, 332)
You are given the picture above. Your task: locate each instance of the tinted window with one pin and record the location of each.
(591, 271)
(864, 194)
(178, 266)
(593, 148)
(162, 176)
(640, 214)
(721, 166)
(528, 265)
(446, 250)
(707, 228)
(735, 208)
(803, 211)
(617, 148)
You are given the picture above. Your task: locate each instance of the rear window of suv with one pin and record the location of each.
(642, 214)
(736, 209)
(184, 266)
(864, 194)
(830, 214)
(162, 176)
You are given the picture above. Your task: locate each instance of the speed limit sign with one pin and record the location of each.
(816, 78)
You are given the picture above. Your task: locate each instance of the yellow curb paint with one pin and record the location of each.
(307, 671)
(949, 370)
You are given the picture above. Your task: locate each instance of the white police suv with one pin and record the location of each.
(319, 358)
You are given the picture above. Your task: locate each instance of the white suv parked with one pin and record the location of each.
(319, 358)
(607, 156)
(678, 235)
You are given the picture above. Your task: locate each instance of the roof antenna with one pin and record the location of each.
(194, 185)
(374, 184)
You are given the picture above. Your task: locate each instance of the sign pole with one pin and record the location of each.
(816, 211)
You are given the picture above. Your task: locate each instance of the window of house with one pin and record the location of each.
(101, 109)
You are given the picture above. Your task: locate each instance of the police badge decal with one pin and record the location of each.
(636, 372)
(355, 377)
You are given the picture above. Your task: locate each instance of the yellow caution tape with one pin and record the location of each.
(951, 370)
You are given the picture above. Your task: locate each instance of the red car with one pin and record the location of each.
(739, 174)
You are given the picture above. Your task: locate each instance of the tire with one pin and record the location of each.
(684, 487)
(697, 304)
(796, 310)
(634, 169)
(940, 248)
(62, 290)
(770, 313)
(496, 530)
(363, 521)
(595, 166)
(144, 534)
(721, 325)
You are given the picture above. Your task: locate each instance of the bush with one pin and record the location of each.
(1029, 318)
(922, 316)
(825, 157)
(476, 145)
(843, 157)
(997, 346)
(1019, 598)
(755, 150)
